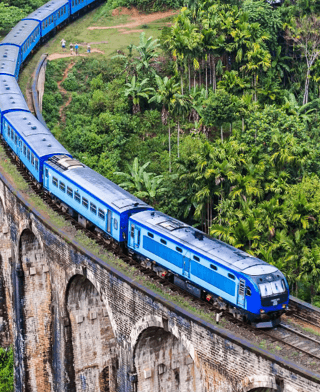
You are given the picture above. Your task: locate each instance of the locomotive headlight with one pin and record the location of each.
(261, 311)
(284, 306)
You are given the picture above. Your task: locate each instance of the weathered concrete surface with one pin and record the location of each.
(79, 325)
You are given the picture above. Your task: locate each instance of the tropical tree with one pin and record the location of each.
(147, 54)
(136, 90)
(305, 33)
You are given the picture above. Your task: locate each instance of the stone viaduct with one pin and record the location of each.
(78, 324)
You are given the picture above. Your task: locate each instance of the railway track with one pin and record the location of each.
(288, 337)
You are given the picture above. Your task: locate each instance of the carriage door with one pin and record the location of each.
(19, 149)
(109, 221)
(186, 265)
(241, 293)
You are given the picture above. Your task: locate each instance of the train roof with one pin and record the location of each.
(8, 59)
(46, 10)
(11, 97)
(38, 137)
(97, 185)
(20, 32)
(210, 247)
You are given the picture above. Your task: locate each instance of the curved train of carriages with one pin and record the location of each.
(246, 286)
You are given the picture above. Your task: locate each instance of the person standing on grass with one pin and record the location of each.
(63, 44)
(76, 48)
(88, 48)
(71, 48)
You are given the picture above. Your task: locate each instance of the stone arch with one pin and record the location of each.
(259, 384)
(91, 338)
(34, 312)
(161, 360)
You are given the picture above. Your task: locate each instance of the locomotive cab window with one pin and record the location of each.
(115, 224)
(77, 197)
(47, 173)
(132, 231)
(55, 181)
(85, 202)
(248, 292)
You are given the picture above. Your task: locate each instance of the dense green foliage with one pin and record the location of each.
(6, 370)
(218, 127)
(11, 11)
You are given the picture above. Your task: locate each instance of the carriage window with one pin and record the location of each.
(248, 292)
(77, 197)
(231, 276)
(55, 181)
(24, 150)
(115, 224)
(69, 192)
(196, 258)
(85, 202)
(15, 138)
(28, 154)
(212, 266)
(132, 231)
(32, 159)
(163, 241)
(150, 235)
(178, 249)
(93, 208)
(101, 214)
(62, 187)
(36, 164)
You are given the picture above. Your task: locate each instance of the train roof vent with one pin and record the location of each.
(172, 224)
(65, 162)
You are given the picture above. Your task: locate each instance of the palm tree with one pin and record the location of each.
(137, 90)
(258, 58)
(166, 93)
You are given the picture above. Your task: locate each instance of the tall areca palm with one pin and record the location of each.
(165, 94)
(258, 59)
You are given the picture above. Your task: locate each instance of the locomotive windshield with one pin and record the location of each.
(272, 288)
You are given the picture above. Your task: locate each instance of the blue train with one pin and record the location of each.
(208, 268)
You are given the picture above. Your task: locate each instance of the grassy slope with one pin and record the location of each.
(78, 32)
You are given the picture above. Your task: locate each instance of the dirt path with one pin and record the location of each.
(64, 92)
(56, 56)
(138, 19)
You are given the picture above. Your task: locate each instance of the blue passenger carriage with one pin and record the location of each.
(11, 98)
(9, 60)
(77, 5)
(208, 267)
(25, 35)
(96, 199)
(50, 15)
(31, 142)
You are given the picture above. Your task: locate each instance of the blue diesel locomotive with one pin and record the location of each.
(208, 268)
